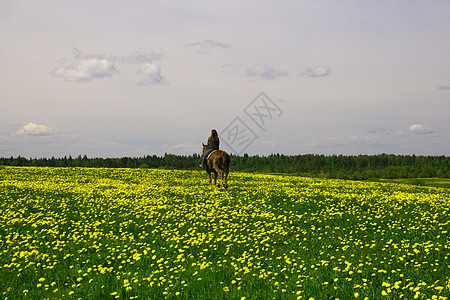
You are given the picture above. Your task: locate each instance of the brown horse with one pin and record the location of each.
(217, 163)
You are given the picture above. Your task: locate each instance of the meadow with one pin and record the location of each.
(93, 233)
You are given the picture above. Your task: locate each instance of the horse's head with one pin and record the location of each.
(204, 148)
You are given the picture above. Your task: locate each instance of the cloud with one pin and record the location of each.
(320, 71)
(384, 131)
(265, 72)
(443, 87)
(152, 75)
(136, 57)
(140, 57)
(402, 133)
(208, 46)
(87, 67)
(85, 70)
(35, 130)
(421, 129)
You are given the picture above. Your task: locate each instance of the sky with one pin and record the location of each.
(134, 78)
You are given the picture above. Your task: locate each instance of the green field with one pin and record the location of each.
(162, 234)
(436, 182)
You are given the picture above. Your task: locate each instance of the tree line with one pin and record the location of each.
(358, 167)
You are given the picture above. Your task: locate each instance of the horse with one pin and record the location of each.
(218, 162)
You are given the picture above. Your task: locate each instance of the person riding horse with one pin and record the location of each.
(215, 161)
(213, 144)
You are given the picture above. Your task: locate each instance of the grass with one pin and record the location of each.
(156, 234)
(432, 182)
(435, 182)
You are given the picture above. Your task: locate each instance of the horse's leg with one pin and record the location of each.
(209, 175)
(215, 178)
(221, 176)
(226, 176)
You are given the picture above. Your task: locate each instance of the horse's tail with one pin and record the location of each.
(226, 163)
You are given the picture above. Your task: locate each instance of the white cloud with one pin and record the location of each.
(208, 46)
(139, 57)
(420, 129)
(402, 133)
(35, 129)
(86, 69)
(265, 72)
(136, 57)
(320, 71)
(152, 75)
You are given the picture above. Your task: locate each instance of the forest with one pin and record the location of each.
(359, 167)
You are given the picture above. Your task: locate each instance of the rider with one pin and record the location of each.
(213, 144)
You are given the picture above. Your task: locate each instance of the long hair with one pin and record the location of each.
(214, 136)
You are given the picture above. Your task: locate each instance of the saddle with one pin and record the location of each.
(210, 154)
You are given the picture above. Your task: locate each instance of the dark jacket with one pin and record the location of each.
(213, 143)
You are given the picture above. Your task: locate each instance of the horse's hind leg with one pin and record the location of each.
(215, 179)
(209, 175)
(226, 176)
(221, 176)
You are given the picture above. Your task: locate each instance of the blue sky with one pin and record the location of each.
(115, 78)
